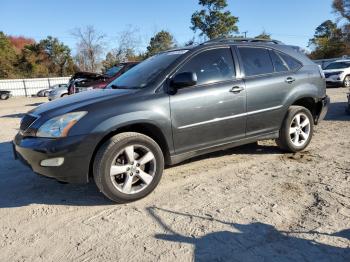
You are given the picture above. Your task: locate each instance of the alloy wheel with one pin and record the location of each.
(347, 81)
(299, 130)
(133, 169)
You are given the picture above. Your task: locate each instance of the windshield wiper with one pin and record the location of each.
(119, 87)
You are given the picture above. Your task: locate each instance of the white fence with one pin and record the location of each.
(30, 86)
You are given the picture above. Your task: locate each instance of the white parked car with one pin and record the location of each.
(338, 73)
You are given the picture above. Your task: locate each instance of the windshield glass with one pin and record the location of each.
(113, 70)
(338, 65)
(144, 73)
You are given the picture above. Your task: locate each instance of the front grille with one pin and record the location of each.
(26, 121)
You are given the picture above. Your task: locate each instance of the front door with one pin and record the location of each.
(213, 111)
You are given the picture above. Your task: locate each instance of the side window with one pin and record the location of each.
(256, 61)
(211, 66)
(292, 63)
(278, 63)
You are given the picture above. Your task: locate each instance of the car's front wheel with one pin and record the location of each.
(297, 129)
(4, 96)
(128, 167)
(347, 81)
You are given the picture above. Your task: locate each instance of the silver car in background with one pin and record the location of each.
(58, 93)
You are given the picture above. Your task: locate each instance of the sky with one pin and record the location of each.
(290, 21)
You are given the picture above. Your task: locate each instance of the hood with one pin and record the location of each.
(79, 100)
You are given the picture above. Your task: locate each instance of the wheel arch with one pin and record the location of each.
(145, 128)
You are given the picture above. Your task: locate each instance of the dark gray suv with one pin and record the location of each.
(173, 106)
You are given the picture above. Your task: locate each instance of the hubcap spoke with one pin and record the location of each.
(297, 119)
(303, 135)
(116, 170)
(146, 158)
(292, 130)
(129, 151)
(127, 184)
(305, 123)
(145, 177)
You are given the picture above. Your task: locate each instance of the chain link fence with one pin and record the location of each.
(31, 86)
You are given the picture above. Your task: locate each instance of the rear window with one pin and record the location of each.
(278, 63)
(256, 61)
(292, 63)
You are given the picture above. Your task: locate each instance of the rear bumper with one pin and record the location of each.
(323, 108)
(77, 152)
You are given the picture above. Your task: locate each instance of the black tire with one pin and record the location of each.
(4, 97)
(107, 153)
(284, 141)
(64, 95)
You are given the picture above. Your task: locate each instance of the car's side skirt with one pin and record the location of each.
(175, 159)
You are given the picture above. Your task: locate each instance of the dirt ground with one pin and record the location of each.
(251, 203)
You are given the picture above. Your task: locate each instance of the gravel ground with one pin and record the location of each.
(251, 203)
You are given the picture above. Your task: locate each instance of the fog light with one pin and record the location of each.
(58, 161)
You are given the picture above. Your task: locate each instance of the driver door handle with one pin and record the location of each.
(290, 80)
(237, 89)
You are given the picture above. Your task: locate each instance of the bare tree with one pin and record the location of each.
(90, 47)
(127, 49)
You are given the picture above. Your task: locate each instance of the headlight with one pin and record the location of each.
(59, 126)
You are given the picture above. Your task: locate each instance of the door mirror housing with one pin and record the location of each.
(183, 80)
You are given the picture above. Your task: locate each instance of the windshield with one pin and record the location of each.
(144, 73)
(338, 65)
(113, 70)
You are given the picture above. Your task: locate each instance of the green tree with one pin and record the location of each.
(49, 57)
(162, 41)
(213, 21)
(264, 35)
(342, 8)
(328, 41)
(8, 58)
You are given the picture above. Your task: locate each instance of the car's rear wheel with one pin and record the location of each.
(347, 81)
(128, 167)
(297, 129)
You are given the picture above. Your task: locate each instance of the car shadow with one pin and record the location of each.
(35, 104)
(337, 112)
(19, 115)
(248, 242)
(21, 187)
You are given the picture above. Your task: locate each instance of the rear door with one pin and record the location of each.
(209, 113)
(268, 80)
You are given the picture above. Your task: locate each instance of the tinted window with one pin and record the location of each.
(338, 65)
(146, 72)
(256, 61)
(278, 63)
(211, 66)
(291, 62)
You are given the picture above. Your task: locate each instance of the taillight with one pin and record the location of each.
(321, 72)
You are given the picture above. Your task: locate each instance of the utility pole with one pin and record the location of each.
(245, 34)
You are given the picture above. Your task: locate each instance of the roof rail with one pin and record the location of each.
(243, 40)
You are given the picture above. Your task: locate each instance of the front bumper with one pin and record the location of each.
(77, 152)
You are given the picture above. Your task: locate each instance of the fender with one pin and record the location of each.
(159, 119)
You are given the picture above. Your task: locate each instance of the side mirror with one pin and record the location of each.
(182, 80)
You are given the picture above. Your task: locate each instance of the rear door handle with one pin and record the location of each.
(237, 89)
(290, 80)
